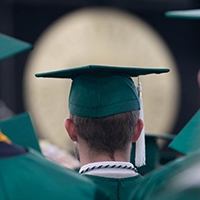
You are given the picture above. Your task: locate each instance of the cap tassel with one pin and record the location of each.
(140, 153)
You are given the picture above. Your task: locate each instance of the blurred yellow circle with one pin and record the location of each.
(99, 36)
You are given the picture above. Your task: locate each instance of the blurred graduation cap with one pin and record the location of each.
(11, 46)
(101, 91)
(186, 14)
(154, 156)
(188, 138)
(20, 131)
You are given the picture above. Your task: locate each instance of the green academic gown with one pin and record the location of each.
(155, 183)
(192, 193)
(30, 176)
(116, 188)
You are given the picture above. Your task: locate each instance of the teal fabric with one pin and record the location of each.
(192, 193)
(117, 188)
(30, 176)
(186, 14)
(101, 95)
(10, 46)
(154, 183)
(19, 129)
(187, 140)
(101, 91)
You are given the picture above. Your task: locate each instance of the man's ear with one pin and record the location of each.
(138, 130)
(71, 129)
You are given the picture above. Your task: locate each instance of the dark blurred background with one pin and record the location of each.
(27, 19)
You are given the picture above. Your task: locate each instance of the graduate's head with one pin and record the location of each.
(108, 134)
(103, 99)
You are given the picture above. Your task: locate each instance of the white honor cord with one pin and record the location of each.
(107, 166)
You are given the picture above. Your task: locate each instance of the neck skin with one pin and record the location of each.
(88, 155)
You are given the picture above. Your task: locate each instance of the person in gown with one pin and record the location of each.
(104, 121)
(25, 174)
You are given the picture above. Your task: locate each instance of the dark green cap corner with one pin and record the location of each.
(187, 140)
(10, 46)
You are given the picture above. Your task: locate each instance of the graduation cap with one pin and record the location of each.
(20, 131)
(100, 91)
(11, 46)
(188, 138)
(153, 153)
(186, 14)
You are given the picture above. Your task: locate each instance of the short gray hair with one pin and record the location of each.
(107, 134)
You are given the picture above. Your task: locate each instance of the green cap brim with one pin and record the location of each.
(188, 139)
(10, 46)
(19, 130)
(186, 14)
(73, 72)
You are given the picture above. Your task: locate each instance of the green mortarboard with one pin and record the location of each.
(188, 138)
(11, 46)
(187, 14)
(19, 130)
(153, 154)
(100, 91)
